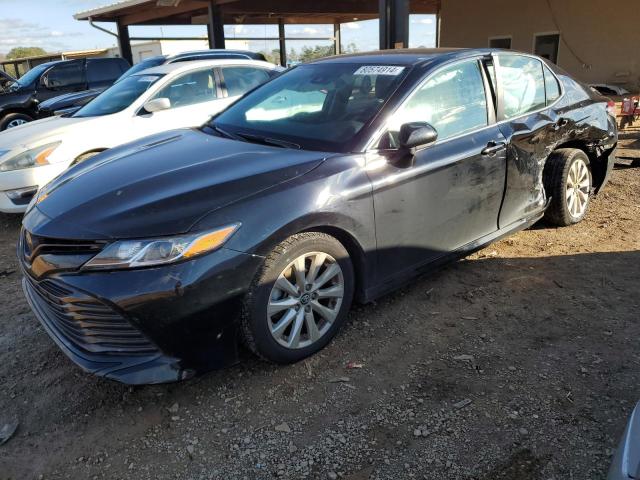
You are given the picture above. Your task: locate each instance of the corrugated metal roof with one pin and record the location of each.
(109, 8)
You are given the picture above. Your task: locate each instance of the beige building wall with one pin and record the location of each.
(599, 39)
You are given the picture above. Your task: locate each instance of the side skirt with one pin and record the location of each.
(401, 278)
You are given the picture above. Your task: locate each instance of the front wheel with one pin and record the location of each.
(13, 120)
(567, 180)
(299, 298)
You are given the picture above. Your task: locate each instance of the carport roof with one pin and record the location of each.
(194, 12)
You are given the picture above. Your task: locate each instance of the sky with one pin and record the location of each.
(50, 24)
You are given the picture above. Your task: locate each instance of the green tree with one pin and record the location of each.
(23, 52)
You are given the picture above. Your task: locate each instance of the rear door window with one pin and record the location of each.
(453, 101)
(523, 85)
(239, 80)
(66, 76)
(551, 85)
(104, 71)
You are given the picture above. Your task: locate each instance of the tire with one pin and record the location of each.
(13, 120)
(568, 205)
(303, 312)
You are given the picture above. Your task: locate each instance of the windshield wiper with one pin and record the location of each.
(224, 133)
(269, 141)
(247, 137)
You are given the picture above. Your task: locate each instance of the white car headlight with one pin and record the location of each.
(159, 251)
(34, 157)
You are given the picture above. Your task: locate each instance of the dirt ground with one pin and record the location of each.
(520, 362)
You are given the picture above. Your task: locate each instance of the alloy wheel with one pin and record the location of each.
(16, 123)
(305, 300)
(578, 187)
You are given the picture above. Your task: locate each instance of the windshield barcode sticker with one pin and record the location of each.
(379, 70)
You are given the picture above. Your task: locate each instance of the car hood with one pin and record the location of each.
(16, 97)
(69, 99)
(160, 185)
(34, 133)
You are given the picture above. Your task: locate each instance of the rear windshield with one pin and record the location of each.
(118, 97)
(143, 65)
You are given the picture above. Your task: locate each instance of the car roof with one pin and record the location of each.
(194, 64)
(408, 56)
(215, 51)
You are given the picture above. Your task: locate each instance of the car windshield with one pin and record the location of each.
(317, 106)
(30, 77)
(143, 65)
(118, 97)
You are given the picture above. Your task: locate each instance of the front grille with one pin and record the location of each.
(85, 321)
(34, 246)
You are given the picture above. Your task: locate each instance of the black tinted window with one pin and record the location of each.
(522, 85)
(66, 75)
(106, 70)
(551, 86)
(239, 80)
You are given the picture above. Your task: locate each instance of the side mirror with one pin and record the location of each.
(416, 134)
(44, 81)
(157, 105)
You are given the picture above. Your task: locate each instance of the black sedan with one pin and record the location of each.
(336, 181)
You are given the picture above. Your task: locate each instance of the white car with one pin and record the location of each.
(154, 100)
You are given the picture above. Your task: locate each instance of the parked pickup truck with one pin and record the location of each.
(19, 101)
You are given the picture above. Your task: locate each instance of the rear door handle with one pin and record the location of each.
(493, 148)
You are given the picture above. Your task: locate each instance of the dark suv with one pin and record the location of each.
(19, 102)
(67, 104)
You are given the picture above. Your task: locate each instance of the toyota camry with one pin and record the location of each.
(335, 182)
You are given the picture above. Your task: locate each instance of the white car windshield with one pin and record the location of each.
(118, 97)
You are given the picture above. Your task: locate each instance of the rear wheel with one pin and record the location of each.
(567, 180)
(299, 298)
(14, 120)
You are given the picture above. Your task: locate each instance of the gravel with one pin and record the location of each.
(519, 362)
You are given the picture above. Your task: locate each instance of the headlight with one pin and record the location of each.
(33, 157)
(159, 251)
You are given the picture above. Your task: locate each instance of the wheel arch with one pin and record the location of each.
(597, 159)
(20, 110)
(93, 150)
(355, 251)
(338, 226)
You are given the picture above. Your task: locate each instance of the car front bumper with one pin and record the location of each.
(151, 325)
(24, 178)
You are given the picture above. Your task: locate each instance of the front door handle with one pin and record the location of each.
(493, 148)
